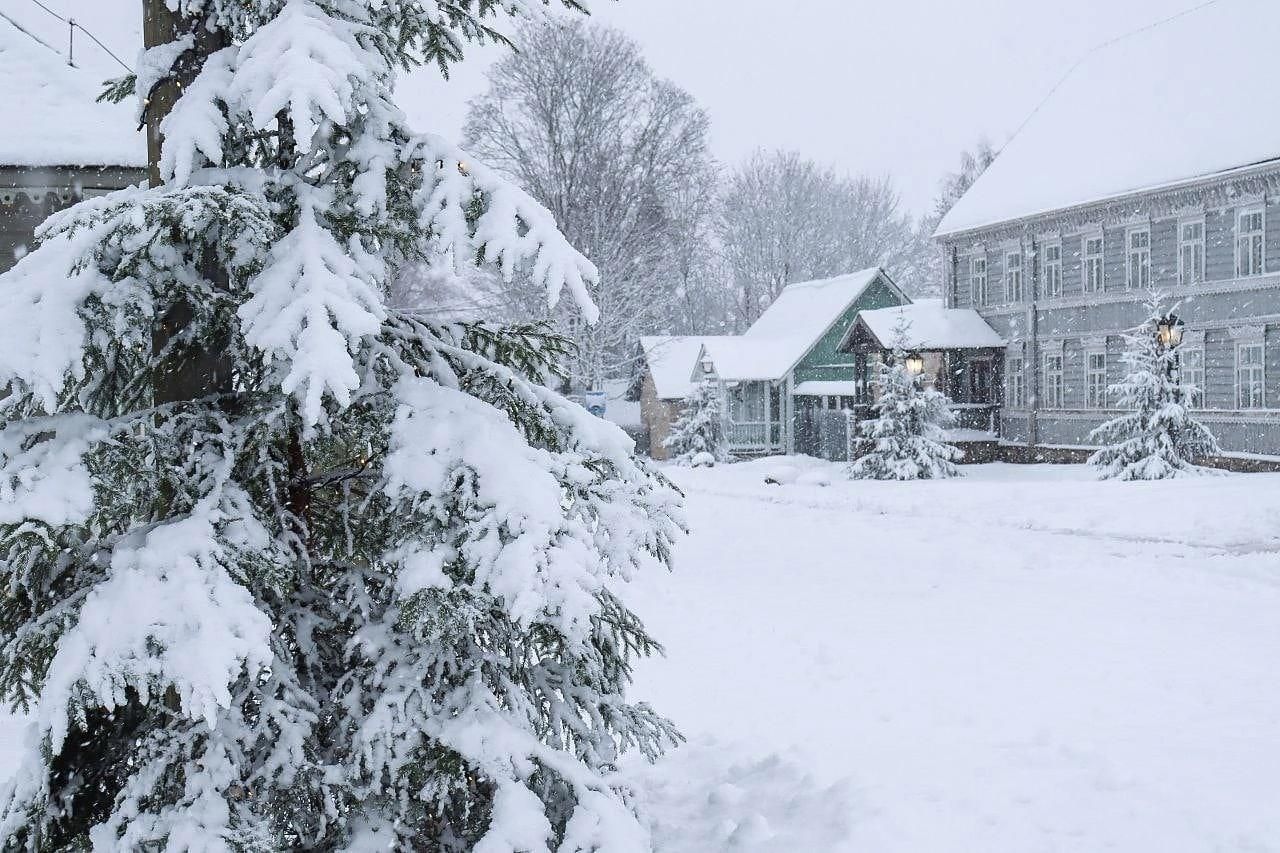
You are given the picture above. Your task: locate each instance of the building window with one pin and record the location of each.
(1138, 268)
(978, 280)
(1250, 381)
(1192, 361)
(1052, 271)
(1014, 277)
(1250, 233)
(1017, 383)
(1092, 268)
(1054, 389)
(1191, 253)
(1096, 380)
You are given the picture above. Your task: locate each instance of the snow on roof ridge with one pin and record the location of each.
(1136, 86)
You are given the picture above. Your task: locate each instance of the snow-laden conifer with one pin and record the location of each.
(359, 593)
(697, 437)
(1155, 437)
(906, 440)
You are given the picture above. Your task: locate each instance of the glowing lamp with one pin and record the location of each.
(1169, 332)
(915, 364)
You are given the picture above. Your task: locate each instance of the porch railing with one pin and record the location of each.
(757, 436)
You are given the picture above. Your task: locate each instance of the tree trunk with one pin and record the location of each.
(203, 369)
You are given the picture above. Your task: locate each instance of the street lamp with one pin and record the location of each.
(1169, 331)
(915, 364)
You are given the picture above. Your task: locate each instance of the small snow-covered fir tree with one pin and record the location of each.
(906, 440)
(697, 437)
(1156, 437)
(284, 567)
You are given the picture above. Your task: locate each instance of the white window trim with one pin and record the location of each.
(1195, 346)
(1090, 350)
(1241, 212)
(1250, 344)
(1021, 376)
(1052, 244)
(1084, 262)
(1129, 252)
(1204, 243)
(1061, 373)
(1022, 275)
(986, 279)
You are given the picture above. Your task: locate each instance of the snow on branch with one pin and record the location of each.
(312, 304)
(511, 228)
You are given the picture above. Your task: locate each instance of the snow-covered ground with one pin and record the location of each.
(1021, 661)
(1024, 660)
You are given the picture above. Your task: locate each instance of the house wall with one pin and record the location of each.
(657, 415)
(29, 196)
(824, 361)
(1222, 309)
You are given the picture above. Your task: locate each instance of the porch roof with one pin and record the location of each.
(673, 362)
(930, 326)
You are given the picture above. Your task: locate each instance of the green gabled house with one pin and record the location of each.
(788, 381)
(797, 379)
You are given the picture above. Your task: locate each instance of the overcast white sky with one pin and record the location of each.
(878, 86)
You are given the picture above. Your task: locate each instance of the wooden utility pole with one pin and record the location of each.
(205, 368)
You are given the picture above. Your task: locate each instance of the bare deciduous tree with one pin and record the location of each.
(786, 219)
(952, 186)
(620, 159)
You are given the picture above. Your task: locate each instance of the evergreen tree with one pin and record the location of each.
(284, 567)
(1155, 437)
(697, 438)
(906, 439)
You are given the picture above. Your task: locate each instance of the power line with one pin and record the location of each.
(71, 35)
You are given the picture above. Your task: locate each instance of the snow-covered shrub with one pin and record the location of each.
(285, 568)
(906, 440)
(697, 437)
(1155, 437)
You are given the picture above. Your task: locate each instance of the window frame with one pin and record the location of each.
(1200, 246)
(1016, 383)
(1088, 260)
(1129, 254)
(1055, 385)
(1200, 395)
(1021, 276)
(1096, 394)
(1052, 270)
(976, 296)
(1260, 235)
(1261, 368)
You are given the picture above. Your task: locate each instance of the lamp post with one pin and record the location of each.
(1169, 331)
(915, 364)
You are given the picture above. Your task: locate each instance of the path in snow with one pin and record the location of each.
(1022, 661)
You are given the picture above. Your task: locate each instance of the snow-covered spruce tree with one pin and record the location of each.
(697, 437)
(1156, 437)
(906, 439)
(285, 568)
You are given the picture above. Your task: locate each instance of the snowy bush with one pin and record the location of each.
(1156, 437)
(286, 568)
(697, 437)
(906, 439)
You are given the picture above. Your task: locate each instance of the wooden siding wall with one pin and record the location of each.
(1216, 307)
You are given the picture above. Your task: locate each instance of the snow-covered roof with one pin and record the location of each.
(789, 328)
(740, 359)
(52, 117)
(931, 326)
(672, 360)
(827, 388)
(1182, 100)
